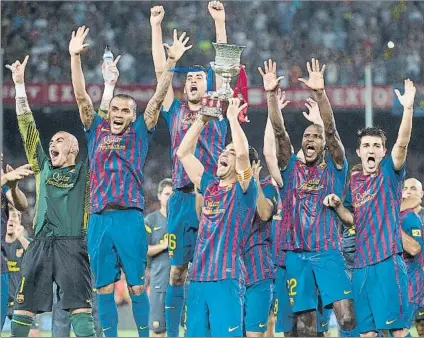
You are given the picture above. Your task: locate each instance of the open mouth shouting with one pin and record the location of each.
(371, 162)
(54, 155)
(310, 150)
(193, 89)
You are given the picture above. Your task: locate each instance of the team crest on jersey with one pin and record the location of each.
(19, 252)
(20, 298)
(189, 118)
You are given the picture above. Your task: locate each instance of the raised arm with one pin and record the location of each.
(158, 52)
(27, 128)
(241, 145)
(270, 149)
(264, 206)
(15, 196)
(404, 135)
(410, 245)
(316, 83)
(193, 167)
(109, 87)
(282, 139)
(85, 106)
(333, 201)
(217, 11)
(175, 52)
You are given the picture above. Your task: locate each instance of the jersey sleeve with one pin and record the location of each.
(270, 193)
(340, 175)
(288, 171)
(86, 172)
(32, 144)
(397, 176)
(205, 181)
(91, 132)
(167, 114)
(412, 226)
(251, 194)
(348, 198)
(103, 114)
(4, 190)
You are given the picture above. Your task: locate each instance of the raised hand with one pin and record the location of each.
(271, 81)
(332, 201)
(18, 70)
(14, 175)
(178, 48)
(316, 75)
(314, 114)
(281, 97)
(216, 10)
(234, 108)
(113, 69)
(19, 231)
(256, 170)
(407, 99)
(77, 45)
(156, 15)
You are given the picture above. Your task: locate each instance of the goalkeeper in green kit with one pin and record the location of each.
(59, 251)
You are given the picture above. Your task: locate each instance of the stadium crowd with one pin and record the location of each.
(344, 33)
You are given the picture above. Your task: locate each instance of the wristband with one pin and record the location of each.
(109, 88)
(245, 175)
(20, 90)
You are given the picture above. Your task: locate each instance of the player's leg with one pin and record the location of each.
(256, 308)
(130, 240)
(61, 324)
(182, 229)
(35, 328)
(70, 255)
(285, 318)
(271, 317)
(157, 312)
(335, 288)
(104, 266)
(95, 311)
(362, 285)
(229, 295)
(35, 292)
(4, 297)
(302, 291)
(197, 313)
(323, 318)
(389, 297)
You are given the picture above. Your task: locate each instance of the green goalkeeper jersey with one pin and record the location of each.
(61, 193)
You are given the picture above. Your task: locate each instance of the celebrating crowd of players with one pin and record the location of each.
(261, 250)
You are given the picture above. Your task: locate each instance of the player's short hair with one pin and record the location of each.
(199, 68)
(166, 182)
(126, 97)
(253, 155)
(371, 131)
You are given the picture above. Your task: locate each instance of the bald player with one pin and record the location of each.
(58, 252)
(413, 187)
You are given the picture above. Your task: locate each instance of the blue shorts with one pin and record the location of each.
(258, 301)
(182, 227)
(117, 239)
(316, 273)
(323, 317)
(284, 316)
(215, 309)
(381, 295)
(4, 297)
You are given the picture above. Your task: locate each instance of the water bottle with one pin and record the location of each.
(108, 60)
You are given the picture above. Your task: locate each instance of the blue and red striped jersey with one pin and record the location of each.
(4, 219)
(211, 142)
(278, 230)
(411, 225)
(225, 225)
(258, 255)
(116, 164)
(312, 226)
(375, 202)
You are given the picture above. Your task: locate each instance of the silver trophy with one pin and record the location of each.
(227, 65)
